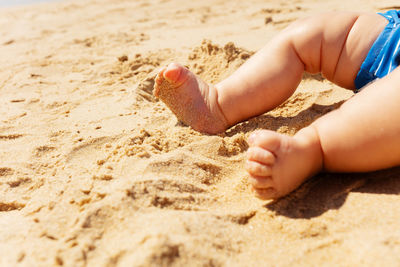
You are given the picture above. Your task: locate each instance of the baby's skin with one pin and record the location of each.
(362, 135)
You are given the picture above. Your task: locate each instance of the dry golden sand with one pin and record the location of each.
(95, 171)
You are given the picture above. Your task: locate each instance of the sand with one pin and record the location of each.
(95, 171)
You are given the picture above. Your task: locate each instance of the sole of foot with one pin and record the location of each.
(193, 101)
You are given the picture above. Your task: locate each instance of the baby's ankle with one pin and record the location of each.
(308, 139)
(223, 113)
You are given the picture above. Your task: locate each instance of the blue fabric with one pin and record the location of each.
(384, 55)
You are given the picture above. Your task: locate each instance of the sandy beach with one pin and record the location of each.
(95, 171)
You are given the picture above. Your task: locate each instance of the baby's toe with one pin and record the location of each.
(266, 193)
(159, 78)
(258, 169)
(261, 182)
(175, 73)
(265, 139)
(260, 155)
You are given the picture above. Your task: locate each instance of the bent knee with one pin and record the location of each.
(319, 40)
(306, 37)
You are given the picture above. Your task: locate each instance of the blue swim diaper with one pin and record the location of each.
(384, 55)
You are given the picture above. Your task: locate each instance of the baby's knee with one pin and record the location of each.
(305, 35)
(319, 42)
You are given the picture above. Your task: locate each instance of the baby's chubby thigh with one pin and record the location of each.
(335, 43)
(359, 41)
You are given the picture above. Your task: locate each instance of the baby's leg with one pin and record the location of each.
(332, 43)
(362, 135)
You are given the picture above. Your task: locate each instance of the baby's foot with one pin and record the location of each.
(192, 100)
(278, 164)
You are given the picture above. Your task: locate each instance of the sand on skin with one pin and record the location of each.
(96, 172)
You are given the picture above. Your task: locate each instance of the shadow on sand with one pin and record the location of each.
(327, 191)
(294, 123)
